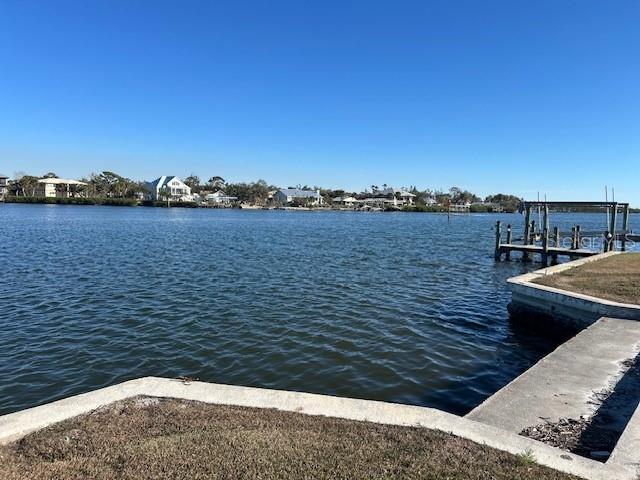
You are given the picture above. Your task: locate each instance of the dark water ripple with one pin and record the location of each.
(398, 307)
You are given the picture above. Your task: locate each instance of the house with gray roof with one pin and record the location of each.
(288, 196)
(179, 190)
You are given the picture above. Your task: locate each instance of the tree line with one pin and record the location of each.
(108, 184)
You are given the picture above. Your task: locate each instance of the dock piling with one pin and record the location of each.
(545, 246)
(625, 228)
(498, 237)
(507, 255)
(527, 231)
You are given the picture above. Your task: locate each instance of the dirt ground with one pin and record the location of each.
(614, 278)
(162, 439)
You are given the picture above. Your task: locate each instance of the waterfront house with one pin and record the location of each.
(220, 199)
(179, 190)
(289, 196)
(3, 185)
(59, 188)
(398, 197)
(344, 201)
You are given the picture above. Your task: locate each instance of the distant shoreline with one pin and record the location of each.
(130, 202)
(127, 202)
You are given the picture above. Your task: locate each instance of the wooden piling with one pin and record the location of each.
(625, 228)
(545, 247)
(507, 255)
(498, 237)
(527, 231)
(612, 227)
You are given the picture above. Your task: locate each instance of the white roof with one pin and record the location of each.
(60, 181)
(344, 199)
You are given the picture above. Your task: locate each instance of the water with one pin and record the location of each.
(398, 307)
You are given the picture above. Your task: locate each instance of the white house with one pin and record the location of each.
(220, 199)
(287, 196)
(3, 185)
(398, 197)
(58, 187)
(344, 201)
(180, 191)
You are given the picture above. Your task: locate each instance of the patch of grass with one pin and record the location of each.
(527, 457)
(615, 278)
(151, 438)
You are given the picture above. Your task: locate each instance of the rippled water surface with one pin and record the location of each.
(400, 307)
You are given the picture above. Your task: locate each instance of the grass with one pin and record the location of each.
(165, 438)
(614, 278)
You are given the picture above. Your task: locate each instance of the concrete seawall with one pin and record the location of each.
(563, 309)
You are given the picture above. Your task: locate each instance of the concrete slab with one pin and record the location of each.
(562, 384)
(16, 425)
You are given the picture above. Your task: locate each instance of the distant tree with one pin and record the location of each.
(193, 181)
(441, 197)
(50, 175)
(112, 185)
(26, 185)
(216, 183)
(460, 196)
(510, 203)
(255, 193)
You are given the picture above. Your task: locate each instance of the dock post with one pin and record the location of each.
(625, 227)
(546, 218)
(498, 236)
(574, 241)
(556, 237)
(507, 255)
(612, 227)
(532, 241)
(527, 232)
(545, 236)
(578, 238)
(605, 242)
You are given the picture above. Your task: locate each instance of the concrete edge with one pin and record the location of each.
(591, 404)
(526, 280)
(16, 425)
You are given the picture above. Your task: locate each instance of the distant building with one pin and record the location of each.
(3, 185)
(399, 198)
(344, 201)
(179, 190)
(220, 199)
(59, 188)
(287, 196)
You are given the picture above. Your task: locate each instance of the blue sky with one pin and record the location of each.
(511, 96)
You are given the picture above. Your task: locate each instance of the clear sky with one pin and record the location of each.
(512, 96)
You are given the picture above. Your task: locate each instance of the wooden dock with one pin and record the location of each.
(552, 243)
(552, 251)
